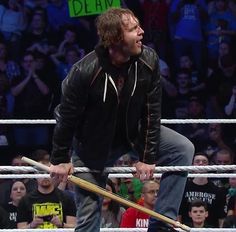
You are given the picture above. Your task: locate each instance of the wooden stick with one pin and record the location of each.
(98, 190)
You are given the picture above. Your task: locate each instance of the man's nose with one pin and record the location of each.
(140, 30)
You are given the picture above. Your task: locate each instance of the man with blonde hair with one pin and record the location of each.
(111, 105)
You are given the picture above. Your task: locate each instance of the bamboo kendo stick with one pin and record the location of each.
(100, 191)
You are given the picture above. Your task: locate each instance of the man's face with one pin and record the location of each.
(17, 161)
(195, 109)
(150, 194)
(133, 34)
(28, 62)
(198, 214)
(45, 183)
(200, 160)
(223, 159)
(183, 80)
(229, 71)
(70, 36)
(185, 62)
(223, 49)
(232, 182)
(37, 21)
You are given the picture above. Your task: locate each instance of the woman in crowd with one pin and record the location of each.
(111, 210)
(18, 190)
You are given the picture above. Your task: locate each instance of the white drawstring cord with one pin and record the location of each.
(105, 88)
(136, 77)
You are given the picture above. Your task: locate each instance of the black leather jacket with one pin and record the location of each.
(87, 114)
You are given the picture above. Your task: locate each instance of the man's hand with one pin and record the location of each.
(37, 221)
(61, 171)
(144, 171)
(57, 222)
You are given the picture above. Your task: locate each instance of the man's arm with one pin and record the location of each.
(70, 222)
(151, 125)
(25, 219)
(35, 223)
(67, 115)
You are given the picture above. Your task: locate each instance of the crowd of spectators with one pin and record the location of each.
(39, 42)
(195, 40)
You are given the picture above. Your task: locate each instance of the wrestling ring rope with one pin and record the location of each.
(116, 175)
(123, 172)
(163, 121)
(207, 168)
(117, 230)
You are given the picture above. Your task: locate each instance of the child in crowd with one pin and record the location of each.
(198, 212)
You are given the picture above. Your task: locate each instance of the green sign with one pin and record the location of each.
(90, 7)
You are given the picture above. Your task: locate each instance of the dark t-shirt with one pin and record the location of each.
(43, 39)
(208, 193)
(12, 214)
(31, 103)
(181, 104)
(56, 203)
(220, 86)
(4, 222)
(232, 204)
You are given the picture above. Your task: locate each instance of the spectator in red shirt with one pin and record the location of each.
(133, 218)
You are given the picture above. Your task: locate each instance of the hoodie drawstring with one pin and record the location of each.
(135, 77)
(105, 88)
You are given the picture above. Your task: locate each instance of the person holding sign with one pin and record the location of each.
(111, 105)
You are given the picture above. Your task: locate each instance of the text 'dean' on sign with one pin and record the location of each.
(90, 7)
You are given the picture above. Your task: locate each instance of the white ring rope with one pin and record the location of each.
(176, 168)
(158, 175)
(164, 121)
(72, 230)
(123, 169)
(126, 169)
(27, 121)
(207, 168)
(116, 230)
(119, 175)
(201, 121)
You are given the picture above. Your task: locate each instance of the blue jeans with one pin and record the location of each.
(175, 149)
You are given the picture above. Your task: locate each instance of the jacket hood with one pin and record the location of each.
(113, 71)
(105, 62)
